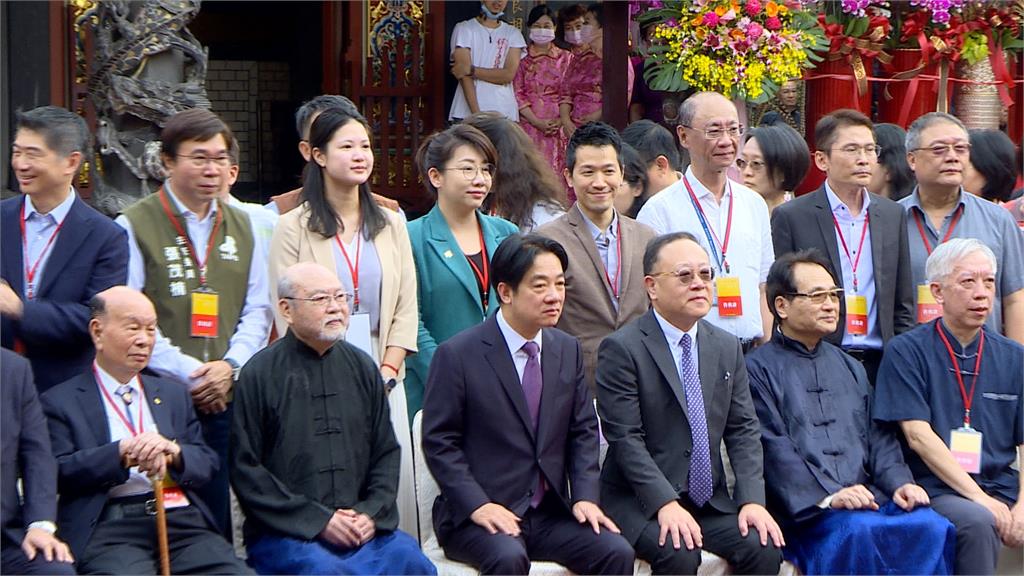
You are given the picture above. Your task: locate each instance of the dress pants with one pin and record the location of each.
(15, 562)
(721, 536)
(128, 546)
(977, 541)
(216, 429)
(547, 533)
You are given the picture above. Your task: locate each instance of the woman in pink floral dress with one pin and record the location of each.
(538, 83)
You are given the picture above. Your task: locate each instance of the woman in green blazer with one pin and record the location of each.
(452, 245)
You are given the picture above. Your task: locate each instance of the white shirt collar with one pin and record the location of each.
(672, 334)
(835, 203)
(59, 213)
(513, 339)
(699, 190)
(182, 208)
(111, 383)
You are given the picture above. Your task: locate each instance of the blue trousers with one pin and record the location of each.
(390, 552)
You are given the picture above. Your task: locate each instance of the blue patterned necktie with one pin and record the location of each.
(124, 391)
(700, 459)
(533, 383)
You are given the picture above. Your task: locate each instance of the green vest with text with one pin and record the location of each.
(172, 275)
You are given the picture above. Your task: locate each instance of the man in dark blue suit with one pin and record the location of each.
(28, 542)
(510, 434)
(112, 430)
(57, 252)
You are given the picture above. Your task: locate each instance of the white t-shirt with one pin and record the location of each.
(488, 49)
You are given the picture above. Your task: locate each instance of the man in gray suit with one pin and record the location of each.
(604, 288)
(671, 386)
(864, 236)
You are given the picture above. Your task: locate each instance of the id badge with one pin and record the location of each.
(205, 303)
(174, 497)
(965, 445)
(727, 292)
(857, 315)
(927, 308)
(358, 333)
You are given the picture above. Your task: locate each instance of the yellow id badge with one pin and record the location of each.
(965, 445)
(856, 315)
(205, 304)
(927, 308)
(727, 292)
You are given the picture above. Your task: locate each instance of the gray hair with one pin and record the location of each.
(688, 109)
(924, 122)
(946, 256)
(286, 286)
(63, 131)
(305, 113)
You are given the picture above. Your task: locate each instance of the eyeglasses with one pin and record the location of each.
(940, 150)
(486, 171)
(716, 132)
(854, 151)
(686, 277)
(200, 160)
(819, 296)
(755, 165)
(322, 300)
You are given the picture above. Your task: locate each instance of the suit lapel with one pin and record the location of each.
(828, 230)
(582, 233)
(550, 364)
(501, 362)
(708, 356)
(13, 265)
(72, 235)
(321, 248)
(626, 243)
(657, 346)
(92, 408)
(157, 408)
(443, 243)
(877, 229)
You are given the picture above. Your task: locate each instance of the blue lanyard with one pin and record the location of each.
(722, 266)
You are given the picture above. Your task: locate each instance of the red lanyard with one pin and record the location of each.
(484, 276)
(863, 233)
(201, 265)
(30, 270)
(968, 399)
(352, 270)
(614, 282)
(113, 403)
(708, 230)
(949, 232)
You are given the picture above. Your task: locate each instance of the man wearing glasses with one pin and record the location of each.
(835, 479)
(863, 235)
(314, 458)
(197, 260)
(937, 150)
(671, 387)
(729, 219)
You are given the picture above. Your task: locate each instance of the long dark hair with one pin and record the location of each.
(322, 218)
(993, 156)
(892, 139)
(524, 178)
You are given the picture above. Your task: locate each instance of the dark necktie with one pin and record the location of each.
(124, 391)
(700, 460)
(533, 383)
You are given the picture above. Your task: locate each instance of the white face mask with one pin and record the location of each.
(574, 37)
(541, 35)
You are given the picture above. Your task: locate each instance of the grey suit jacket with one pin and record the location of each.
(806, 222)
(588, 313)
(643, 409)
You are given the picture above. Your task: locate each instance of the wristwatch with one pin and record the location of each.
(235, 368)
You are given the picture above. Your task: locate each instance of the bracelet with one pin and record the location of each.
(386, 365)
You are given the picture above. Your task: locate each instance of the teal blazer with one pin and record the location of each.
(449, 300)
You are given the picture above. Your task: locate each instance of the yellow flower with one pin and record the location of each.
(771, 9)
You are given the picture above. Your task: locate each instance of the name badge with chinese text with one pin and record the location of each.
(965, 445)
(727, 292)
(927, 308)
(856, 315)
(205, 304)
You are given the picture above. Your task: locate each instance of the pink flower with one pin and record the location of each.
(712, 41)
(754, 31)
(710, 19)
(773, 23)
(753, 7)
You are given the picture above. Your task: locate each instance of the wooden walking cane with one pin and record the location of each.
(161, 525)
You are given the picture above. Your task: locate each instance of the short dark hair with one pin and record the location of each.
(634, 173)
(517, 253)
(234, 151)
(567, 14)
(597, 10)
(593, 134)
(195, 124)
(785, 153)
(653, 250)
(304, 115)
(438, 148)
(97, 307)
(63, 131)
(892, 139)
(994, 156)
(652, 140)
(826, 128)
(539, 11)
(780, 276)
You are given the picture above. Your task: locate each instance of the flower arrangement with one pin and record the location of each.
(740, 48)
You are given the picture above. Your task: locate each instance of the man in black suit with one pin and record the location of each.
(112, 429)
(28, 542)
(670, 387)
(510, 434)
(57, 252)
(864, 236)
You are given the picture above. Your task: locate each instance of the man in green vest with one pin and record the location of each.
(196, 259)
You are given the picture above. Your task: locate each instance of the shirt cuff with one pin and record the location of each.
(826, 502)
(44, 525)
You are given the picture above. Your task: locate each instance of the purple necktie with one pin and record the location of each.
(533, 383)
(700, 460)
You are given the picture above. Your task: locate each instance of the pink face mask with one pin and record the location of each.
(587, 33)
(574, 37)
(541, 35)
